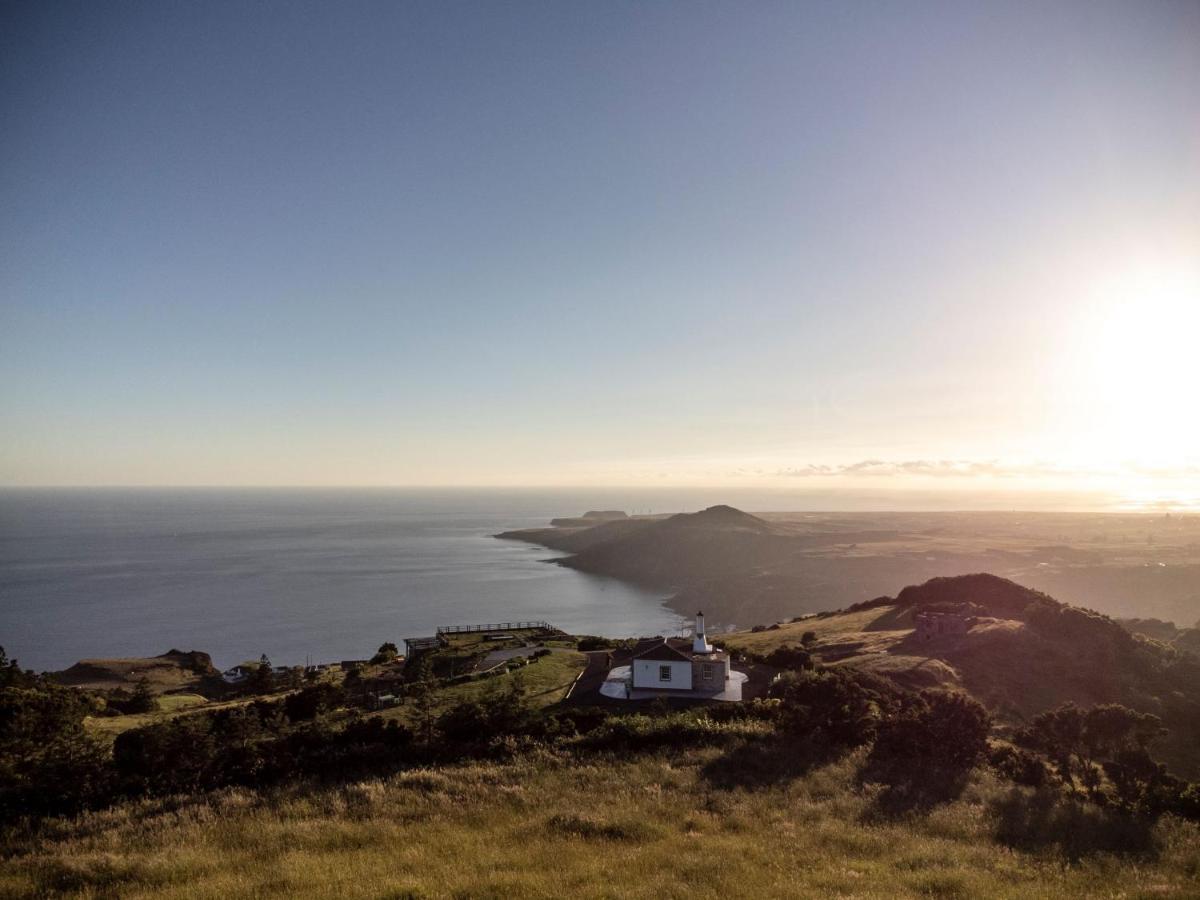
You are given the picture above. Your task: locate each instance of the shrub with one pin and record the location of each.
(836, 708)
(48, 763)
(1079, 741)
(794, 658)
(594, 642)
(924, 751)
(941, 734)
(1020, 766)
(142, 700)
(386, 653)
(311, 702)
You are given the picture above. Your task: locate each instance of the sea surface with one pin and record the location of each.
(296, 574)
(329, 574)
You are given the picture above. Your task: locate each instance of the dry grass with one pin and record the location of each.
(550, 826)
(170, 706)
(875, 629)
(544, 682)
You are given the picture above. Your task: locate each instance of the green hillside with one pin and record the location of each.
(867, 770)
(1022, 653)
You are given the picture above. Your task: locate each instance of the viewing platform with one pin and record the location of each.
(444, 632)
(496, 626)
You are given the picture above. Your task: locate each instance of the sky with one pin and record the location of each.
(898, 245)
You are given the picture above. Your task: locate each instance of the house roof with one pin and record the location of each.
(664, 651)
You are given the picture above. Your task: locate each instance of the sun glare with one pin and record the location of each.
(1142, 372)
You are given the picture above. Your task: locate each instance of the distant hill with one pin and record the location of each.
(677, 550)
(1022, 652)
(169, 671)
(743, 569)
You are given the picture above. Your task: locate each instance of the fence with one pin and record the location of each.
(495, 626)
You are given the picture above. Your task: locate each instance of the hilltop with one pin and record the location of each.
(172, 670)
(1021, 652)
(744, 569)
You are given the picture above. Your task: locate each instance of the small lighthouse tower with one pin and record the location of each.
(700, 642)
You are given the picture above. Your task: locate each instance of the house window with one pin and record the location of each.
(706, 671)
(664, 673)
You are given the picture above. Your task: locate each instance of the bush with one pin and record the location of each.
(794, 658)
(594, 642)
(1079, 742)
(1019, 766)
(48, 763)
(834, 708)
(924, 751)
(937, 733)
(311, 702)
(386, 653)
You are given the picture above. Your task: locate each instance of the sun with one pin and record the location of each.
(1139, 394)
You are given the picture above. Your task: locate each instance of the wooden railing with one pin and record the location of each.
(495, 626)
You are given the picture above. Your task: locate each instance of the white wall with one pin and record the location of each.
(645, 674)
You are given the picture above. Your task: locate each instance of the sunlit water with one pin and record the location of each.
(293, 574)
(331, 574)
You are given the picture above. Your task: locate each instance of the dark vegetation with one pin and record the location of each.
(1084, 777)
(1093, 766)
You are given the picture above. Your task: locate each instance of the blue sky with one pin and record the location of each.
(448, 243)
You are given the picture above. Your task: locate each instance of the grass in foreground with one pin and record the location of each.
(551, 826)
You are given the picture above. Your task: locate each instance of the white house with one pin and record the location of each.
(694, 666)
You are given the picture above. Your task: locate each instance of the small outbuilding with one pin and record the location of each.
(931, 624)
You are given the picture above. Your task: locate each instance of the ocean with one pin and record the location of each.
(329, 574)
(295, 574)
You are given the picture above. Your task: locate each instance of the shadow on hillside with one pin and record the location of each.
(903, 793)
(1045, 819)
(896, 618)
(766, 762)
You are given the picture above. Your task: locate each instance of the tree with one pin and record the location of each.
(425, 714)
(262, 680)
(833, 708)
(939, 734)
(1058, 733)
(49, 765)
(1141, 786)
(795, 658)
(386, 653)
(11, 674)
(1080, 742)
(310, 702)
(925, 751)
(142, 700)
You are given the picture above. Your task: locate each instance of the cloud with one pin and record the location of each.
(967, 468)
(930, 468)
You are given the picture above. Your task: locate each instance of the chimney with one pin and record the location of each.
(700, 642)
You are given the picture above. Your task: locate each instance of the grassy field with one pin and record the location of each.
(544, 682)
(169, 707)
(554, 825)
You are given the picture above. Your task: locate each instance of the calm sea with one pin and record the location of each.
(295, 574)
(327, 574)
